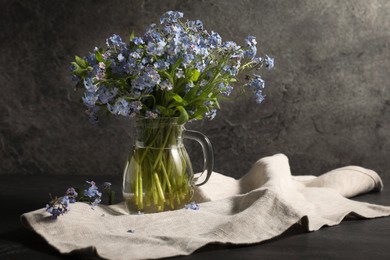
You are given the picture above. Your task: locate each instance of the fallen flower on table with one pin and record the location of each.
(193, 205)
(58, 206)
(72, 194)
(91, 195)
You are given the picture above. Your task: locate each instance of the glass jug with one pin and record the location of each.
(158, 175)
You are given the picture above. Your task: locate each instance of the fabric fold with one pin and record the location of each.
(261, 205)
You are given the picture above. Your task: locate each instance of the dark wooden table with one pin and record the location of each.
(352, 239)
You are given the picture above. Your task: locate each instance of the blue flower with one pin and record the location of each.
(225, 89)
(71, 194)
(179, 73)
(251, 49)
(91, 59)
(173, 49)
(120, 57)
(203, 83)
(232, 70)
(250, 41)
(172, 29)
(101, 71)
(121, 107)
(256, 84)
(92, 190)
(89, 85)
(171, 17)
(188, 87)
(58, 206)
(146, 60)
(200, 66)
(93, 194)
(210, 115)
(229, 46)
(135, 55)
(146, 81)
(195, 26)
(90, 99)
(259, 97)
(152, 34)
(193, 205)
(131, 66)
(165, 55)
(138, 41)
(250, 52)
(107, 95)
(156, 48)
(187, 59)
(166, 85)
(150, 114)
(115, 41)
(269, 62)
(215, 40)
(257, 60)
(96, 201)
(161, 65)
(135, 106)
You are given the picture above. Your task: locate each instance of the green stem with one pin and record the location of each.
(140, 192)
(166, 177)
(160, 168)
(158, 186)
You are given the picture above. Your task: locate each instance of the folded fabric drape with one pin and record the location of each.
(261, 205)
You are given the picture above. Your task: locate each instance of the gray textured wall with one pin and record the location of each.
(328, 100)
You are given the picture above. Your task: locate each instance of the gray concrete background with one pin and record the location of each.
(328, 100)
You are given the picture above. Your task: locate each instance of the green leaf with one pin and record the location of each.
(177, 64)
(165, 74)
(79, 71)
(200, 111)
(81, 62)
(177, 98)
(99, 56)
(132, 36)
(195, 75)
(166, 111)
(217, 103)
(108, 63)
(189, 97)
(183, 118)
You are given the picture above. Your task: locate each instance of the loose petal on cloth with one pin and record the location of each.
(261, 205)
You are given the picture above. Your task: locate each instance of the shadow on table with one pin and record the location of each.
(24, 244)
(245, 251)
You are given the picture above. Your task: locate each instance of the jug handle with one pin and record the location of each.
(207, 151)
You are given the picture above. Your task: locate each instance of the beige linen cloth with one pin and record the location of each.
(259, 206)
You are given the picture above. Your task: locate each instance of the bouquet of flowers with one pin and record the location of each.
(177, 69)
